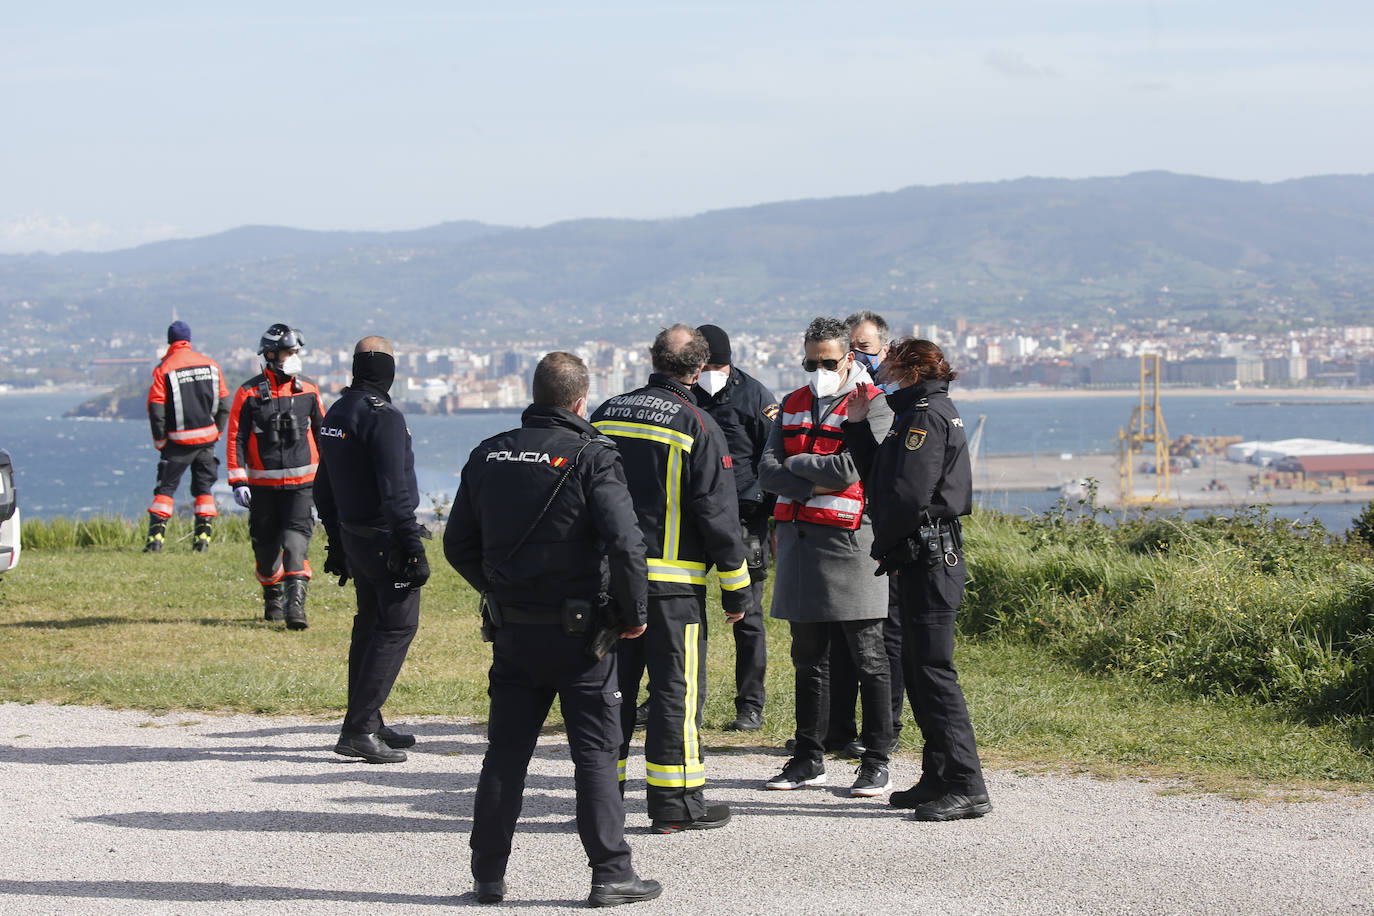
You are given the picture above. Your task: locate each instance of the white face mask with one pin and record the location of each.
(825, 382)
(714, 380)
(291, 365)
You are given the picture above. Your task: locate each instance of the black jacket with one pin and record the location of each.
(367, 470)
(679, 472)
(586, 542)
(744, 410)
(922, 465)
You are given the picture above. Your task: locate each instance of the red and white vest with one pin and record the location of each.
(802, 434)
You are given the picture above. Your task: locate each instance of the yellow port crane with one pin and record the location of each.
(1146, 429)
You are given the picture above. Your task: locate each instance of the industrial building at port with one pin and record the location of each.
(1287, 464)
(1308, 464)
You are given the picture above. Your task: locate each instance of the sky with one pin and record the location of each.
(125, 123)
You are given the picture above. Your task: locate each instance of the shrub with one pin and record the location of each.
(1249, 605)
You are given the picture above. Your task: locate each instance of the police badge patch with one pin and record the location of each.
(915, 438)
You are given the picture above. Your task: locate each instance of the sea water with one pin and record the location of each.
(80, 467)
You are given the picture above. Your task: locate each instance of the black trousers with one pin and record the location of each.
(751, 653)
(811, 643)
(172, 465)
(280, 525)
(674, 651)
(531, 664)
(844, 678)
(751, 637)
(930, 602)
(383, 628)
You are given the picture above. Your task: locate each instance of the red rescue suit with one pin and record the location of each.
(188, 405)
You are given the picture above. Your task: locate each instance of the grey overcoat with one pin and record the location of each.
(824, 573)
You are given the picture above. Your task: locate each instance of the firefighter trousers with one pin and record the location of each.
(674, 651)
(171, 466)
(280, 525)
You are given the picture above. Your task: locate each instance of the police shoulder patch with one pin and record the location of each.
(771, 411)
(915, 438)
(727, 462)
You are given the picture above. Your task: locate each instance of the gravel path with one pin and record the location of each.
(125, 812)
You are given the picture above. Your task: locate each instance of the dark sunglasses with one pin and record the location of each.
(830, 365)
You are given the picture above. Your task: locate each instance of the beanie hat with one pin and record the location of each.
(719, 342)
(178, 330)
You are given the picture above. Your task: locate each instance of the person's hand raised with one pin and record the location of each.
(857, 409)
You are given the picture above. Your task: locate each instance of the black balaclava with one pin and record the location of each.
(374, 371)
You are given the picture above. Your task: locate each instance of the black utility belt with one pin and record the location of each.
(938, 542)
(526, 615)
(367, 532)
(576, 615)
(596, 621)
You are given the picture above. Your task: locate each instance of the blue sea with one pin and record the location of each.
(80, 467)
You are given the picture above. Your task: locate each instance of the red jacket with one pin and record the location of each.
(274, 426)
(188, 402)
(803, 432)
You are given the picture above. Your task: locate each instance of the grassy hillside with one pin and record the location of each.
(1221, 654)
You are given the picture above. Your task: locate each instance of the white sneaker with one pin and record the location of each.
(798, 773)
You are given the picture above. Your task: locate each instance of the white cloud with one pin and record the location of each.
(39, 232)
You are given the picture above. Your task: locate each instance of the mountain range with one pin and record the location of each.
(1153, 245)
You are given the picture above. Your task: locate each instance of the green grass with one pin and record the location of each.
(111, 531)
(177, 630)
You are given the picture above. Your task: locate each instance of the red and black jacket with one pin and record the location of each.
(274, 428)
(188, 402)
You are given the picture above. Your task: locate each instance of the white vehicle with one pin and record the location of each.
(9, 515)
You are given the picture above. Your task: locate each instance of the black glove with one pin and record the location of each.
(412, 569)
(335, 563)
(750, 511)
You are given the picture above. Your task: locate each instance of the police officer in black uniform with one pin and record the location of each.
(919, 482)
(744, 409)
(544, 528)
(366, 496)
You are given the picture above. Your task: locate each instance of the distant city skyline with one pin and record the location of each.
(144, 121)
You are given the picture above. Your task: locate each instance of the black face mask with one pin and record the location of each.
(374, 371)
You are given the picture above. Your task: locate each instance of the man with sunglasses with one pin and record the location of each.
(824, 575)
(868, 341)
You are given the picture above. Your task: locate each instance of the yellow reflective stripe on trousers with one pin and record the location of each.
(647, 431)
(620, 769)
(692, 772)
(735, 579)
(691, 741)
(674, 776)
(672, 522)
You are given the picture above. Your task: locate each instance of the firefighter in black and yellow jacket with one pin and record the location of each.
(679, 471)
(272, 451)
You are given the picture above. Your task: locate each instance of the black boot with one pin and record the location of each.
(295, 602)
(201, 542)
(157, 529)
(273, 601)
